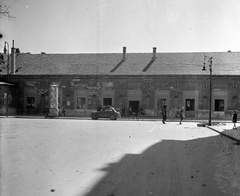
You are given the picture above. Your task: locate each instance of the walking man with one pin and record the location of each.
(181, 116)
(234, 119)
(164, 114)
(63, 111)
(123, 111)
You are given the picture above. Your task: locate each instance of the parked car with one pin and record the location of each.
(105, 112)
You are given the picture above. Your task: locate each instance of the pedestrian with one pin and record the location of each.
(130, 111)
(180, 116)
(142, 113)
(99, 108)
(164, 114)
(234, 119)
(59, 110)
(123, 111)
(63, 111)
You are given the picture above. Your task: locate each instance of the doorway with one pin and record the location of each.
(160, 103)
(134, 105)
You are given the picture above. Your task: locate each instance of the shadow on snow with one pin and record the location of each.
(204, 166)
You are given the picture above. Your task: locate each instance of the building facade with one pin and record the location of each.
(150, 80)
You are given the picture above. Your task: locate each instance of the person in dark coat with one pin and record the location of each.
(234, 119)
(123, 111)
(99, 108)
(164, 114)
(142, 113)
(63, 111)
(129, 111)
(180, 116)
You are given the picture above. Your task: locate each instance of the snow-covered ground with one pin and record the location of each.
(65, 157)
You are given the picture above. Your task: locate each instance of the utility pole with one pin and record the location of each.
(6, 51)
(210, 87)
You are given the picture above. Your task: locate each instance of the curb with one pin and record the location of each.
(225, 135)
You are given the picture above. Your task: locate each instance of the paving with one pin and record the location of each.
(222, 126)
(82, 157)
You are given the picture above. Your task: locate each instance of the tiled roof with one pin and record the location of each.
(224, 63)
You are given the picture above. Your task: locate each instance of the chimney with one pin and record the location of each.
(124, 54)
(154, 54)
(152, 60)
(121, 62)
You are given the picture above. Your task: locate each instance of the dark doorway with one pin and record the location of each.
(134, 105)
(219, 105)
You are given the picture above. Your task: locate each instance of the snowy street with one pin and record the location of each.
(67, 157)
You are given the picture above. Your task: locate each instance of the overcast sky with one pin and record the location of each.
(105, 26)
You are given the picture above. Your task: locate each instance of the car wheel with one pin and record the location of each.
(112, 117)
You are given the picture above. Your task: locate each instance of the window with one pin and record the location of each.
(68, 102)
(204, 85)
(190, 104)
(107, 101)
(219, 105)
(81, 102)
(175, 85)
(30, 102)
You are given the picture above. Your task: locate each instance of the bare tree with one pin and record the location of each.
(4, 10)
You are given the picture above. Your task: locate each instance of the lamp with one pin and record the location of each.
(204, 67)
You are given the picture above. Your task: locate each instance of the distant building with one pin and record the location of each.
(151, 80)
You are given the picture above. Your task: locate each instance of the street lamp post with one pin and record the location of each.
(210, 87)
(6, 51)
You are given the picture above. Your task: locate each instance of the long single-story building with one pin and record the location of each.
(134, 80)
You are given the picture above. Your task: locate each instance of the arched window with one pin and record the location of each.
(234, 102)
(205, 102)
(175, 102)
